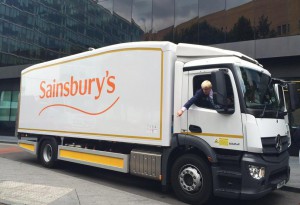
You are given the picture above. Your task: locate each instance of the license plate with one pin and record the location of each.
(280, 184)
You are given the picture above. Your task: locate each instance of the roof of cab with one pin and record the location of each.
(194, 51)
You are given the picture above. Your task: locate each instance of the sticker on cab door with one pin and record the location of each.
(222, 141)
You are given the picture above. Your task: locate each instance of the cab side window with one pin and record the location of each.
(197, 81)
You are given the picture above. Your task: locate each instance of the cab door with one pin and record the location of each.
(279, 90)
(219, 130)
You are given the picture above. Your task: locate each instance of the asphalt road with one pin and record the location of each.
(78, 184)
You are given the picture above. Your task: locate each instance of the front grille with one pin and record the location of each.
(275, 145)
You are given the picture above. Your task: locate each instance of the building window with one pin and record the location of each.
(5, 98)
(284, 30)
(279, 30)
(8, 105)
(141, 20)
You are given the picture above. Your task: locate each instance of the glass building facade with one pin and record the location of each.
(33, 31)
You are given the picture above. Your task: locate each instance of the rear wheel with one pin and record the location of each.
(48, 152)
(191, 179)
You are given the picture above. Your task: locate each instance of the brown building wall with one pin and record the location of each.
(279, 13)
(294, 16)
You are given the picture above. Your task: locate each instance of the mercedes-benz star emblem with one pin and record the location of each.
(278, 143)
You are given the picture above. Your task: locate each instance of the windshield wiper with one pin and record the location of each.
(263, 112)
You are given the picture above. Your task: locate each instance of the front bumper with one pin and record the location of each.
(276, 173)
(233, 180)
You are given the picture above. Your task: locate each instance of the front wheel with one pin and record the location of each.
(191, 179)
(48, 153)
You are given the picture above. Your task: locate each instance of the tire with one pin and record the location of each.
(48, 153)
(191, 179)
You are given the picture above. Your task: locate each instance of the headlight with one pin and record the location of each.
(257, 172)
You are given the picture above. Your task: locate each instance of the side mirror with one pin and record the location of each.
(220, 92)
(294, 97)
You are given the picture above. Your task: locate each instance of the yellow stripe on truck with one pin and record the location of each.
(27, 146)
(201, 134)
(92, 158)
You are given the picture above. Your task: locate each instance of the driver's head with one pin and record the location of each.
(206, 87)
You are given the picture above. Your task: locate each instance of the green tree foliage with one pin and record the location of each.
(187, 35)
(209, 34)
(263, 28)
(205, 34)
(241, 31)
(201, 33)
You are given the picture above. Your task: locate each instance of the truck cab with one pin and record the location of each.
(247, 130)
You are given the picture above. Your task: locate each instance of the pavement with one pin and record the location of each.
(28, 184)
(58, 191)
(9, 139)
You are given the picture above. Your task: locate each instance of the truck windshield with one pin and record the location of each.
(257, 89)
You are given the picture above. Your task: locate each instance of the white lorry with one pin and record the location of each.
(115, 108)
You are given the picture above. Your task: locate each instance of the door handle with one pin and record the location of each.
(195, 128)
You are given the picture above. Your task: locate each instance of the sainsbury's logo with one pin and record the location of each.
(79, 87)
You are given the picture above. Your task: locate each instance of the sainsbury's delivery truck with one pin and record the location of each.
(115, 108)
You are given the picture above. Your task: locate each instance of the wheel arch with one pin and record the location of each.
(55, 142)
(185, 144)
(42, 138)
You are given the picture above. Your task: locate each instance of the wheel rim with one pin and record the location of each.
(47, 153)
(190, 179)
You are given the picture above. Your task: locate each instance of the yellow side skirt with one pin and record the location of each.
(107, 160)
(29, 147)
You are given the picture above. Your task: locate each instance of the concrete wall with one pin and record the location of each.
(11, 71)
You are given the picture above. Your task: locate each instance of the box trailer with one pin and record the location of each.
(115, 108)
